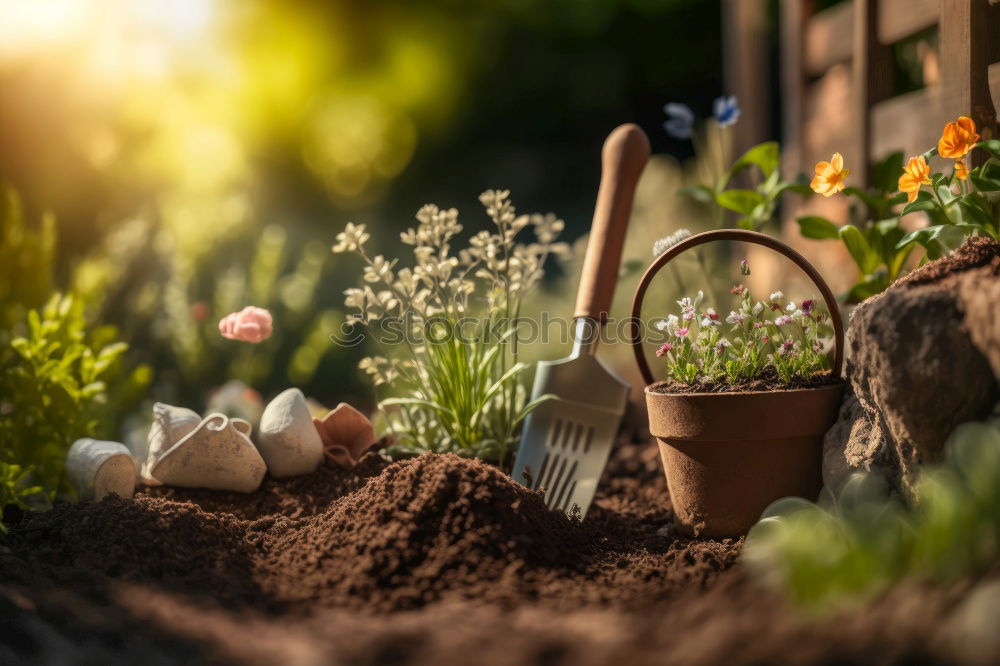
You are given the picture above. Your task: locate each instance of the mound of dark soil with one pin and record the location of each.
(433, 560)
(421, 528)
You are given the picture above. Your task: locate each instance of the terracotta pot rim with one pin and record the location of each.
(838, 385)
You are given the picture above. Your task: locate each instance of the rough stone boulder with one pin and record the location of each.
(854, 443)
(922, 358)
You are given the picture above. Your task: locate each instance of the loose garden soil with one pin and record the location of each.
(433, 560)
(767, 381)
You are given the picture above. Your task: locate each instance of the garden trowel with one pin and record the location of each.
(566, 440)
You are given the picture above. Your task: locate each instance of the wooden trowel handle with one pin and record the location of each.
(622, 161)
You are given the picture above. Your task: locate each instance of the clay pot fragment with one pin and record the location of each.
(216, 453)
(99, 468)
(287, 439)
(346, 434)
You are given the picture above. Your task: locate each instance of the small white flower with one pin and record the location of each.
(783, 320)
(664, 244)
(379, 271)
(689, 314)
(736, 318)
(791, 306)
(777, 296)
(757, 309)
(351, 238)
(661, 325)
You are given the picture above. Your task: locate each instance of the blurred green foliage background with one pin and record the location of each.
(199, 155)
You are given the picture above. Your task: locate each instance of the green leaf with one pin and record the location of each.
(885, 172)
(883, 236)
(895, 266)
(770, 184)
(415, 402)
(939, 239)
(868, 287)
(701, 193)
(766, 156)
(798, 188)
(975, 214)
(986, 178)
(983, 184)
(991, 145)
(920, 204)
(741, 201)
(813, 226)
(863, 254)
(745, 223)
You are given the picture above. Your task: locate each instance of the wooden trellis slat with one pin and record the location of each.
(859, 34)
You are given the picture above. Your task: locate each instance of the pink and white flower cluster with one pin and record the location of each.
(698, 348)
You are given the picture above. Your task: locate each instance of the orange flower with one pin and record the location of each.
(830, 176)
(961, 170)
(957, 139)
(915, 173)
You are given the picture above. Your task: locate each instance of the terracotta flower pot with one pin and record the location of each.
(728, 455)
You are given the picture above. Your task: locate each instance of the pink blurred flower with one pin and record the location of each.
(664, 348)
(199, 310)
(251, 324)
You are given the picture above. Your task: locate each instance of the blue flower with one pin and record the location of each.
(727, 110)
(680, 120)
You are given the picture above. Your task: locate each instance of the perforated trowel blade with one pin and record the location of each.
(566, 441)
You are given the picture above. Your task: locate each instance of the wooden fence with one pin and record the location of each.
(836, 78)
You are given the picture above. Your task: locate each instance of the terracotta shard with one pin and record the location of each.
(346, 435)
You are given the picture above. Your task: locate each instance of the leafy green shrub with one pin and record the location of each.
(59, 382)
(858, 542)
(26, 258)
(454, 384)
(14, 488)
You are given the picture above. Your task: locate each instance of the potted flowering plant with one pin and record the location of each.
(749, 395)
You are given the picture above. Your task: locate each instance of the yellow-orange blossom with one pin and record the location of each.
(830, 176)
(916, 173)
(957, 139)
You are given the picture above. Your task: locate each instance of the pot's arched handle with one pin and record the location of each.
(635, 330)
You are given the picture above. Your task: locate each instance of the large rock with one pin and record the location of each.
(917, 363)
(854, 443)
(980, 296)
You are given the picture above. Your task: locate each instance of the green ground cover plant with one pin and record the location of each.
(61, 377)
(860, 540)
